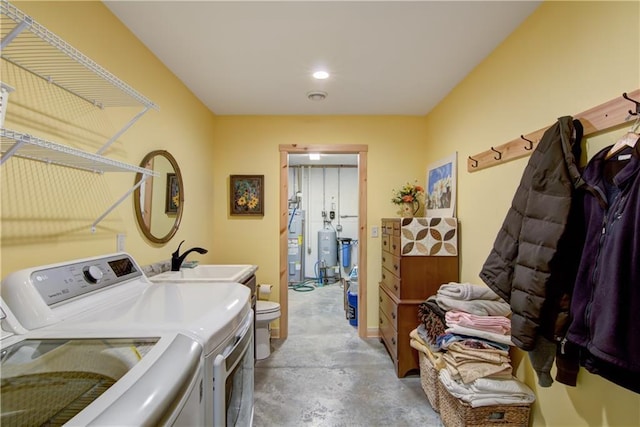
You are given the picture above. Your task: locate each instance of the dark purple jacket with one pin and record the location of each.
(605, 306)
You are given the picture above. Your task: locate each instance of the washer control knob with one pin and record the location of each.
(93, 274)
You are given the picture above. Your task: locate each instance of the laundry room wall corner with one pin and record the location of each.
(47, 211)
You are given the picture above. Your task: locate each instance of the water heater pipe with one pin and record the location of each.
(307, 210)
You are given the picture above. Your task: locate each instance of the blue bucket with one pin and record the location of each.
(352, 308)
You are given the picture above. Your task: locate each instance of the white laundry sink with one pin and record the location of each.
(208, 273)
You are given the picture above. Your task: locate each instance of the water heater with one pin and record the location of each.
(327, 253)
(295, 246)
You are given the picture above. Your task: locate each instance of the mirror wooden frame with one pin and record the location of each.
(136, 198)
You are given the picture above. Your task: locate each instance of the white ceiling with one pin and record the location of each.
(385, 57)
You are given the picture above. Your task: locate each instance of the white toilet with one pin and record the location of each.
(266, 312)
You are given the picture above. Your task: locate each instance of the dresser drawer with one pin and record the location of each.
(389, 336)
(389, 308)
(391, 282)
(391, 244)
(391, 226)
(391, 263)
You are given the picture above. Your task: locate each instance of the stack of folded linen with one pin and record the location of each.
(466, 331)
(488, 391)
(477, 337)
(469, 325)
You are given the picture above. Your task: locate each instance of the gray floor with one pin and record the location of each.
(324, 375)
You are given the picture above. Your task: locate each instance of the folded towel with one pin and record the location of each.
(470, 370)
(469, 363)
(487, 391)
(467, 292)
(445, 340)
(434, 357)
(460, 351)
(502, 339)
(480, 307)
(496, 324)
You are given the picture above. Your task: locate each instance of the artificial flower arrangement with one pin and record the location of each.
(409, 193)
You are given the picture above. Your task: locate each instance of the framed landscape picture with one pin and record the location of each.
(440, 197)
(246, 195)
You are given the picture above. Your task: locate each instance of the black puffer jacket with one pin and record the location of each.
(520, 267)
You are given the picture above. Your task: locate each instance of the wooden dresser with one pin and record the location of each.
(418, 255)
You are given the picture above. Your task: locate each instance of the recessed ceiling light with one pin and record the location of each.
(314, 156)
(321, 75)
(317, 95)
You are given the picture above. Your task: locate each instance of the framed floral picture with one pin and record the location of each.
(172, 199)
(246, 194)
(440, 197)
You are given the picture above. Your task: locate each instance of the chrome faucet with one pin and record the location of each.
(177, 259)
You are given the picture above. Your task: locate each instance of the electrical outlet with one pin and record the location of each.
(374, 231)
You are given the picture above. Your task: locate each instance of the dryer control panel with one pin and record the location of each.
(59, 283)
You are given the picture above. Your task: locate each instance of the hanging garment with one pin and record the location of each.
(531, 265)
(605, 306)
(521, 262)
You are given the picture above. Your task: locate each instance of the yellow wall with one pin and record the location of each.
(249, 145)
(564, 59)
(567, 57)
(57, 228)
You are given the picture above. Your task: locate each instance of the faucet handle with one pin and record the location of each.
(177, 252)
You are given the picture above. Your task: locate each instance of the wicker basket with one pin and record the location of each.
(429, 380)
(456, 413)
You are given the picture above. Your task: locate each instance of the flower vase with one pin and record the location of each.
(409, 209)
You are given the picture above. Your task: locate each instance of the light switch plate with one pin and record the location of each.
(374, 231)
(120, 243)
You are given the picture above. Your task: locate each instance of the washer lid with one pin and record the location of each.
(102, 381)
(263, 307)
(49, 381)
(208, 314)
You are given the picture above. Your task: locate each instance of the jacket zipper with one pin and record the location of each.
(594, 276)
(610, 217)
(608, 211)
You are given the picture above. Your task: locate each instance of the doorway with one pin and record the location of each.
(361, 152)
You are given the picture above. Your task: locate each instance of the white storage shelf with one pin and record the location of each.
(33, 148)
(30, 46)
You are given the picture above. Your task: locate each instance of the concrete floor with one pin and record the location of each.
(324, 375)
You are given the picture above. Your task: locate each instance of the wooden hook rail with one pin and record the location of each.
(602, 117)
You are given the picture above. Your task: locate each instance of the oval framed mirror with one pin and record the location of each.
(159, 200)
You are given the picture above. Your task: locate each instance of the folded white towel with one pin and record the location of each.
(490, 392)
(467, 291)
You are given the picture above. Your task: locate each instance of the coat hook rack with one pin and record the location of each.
(527, 147)
(596, 119)
(625, 96)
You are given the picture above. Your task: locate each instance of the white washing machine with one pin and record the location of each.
(109, 297)
(49, 380)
